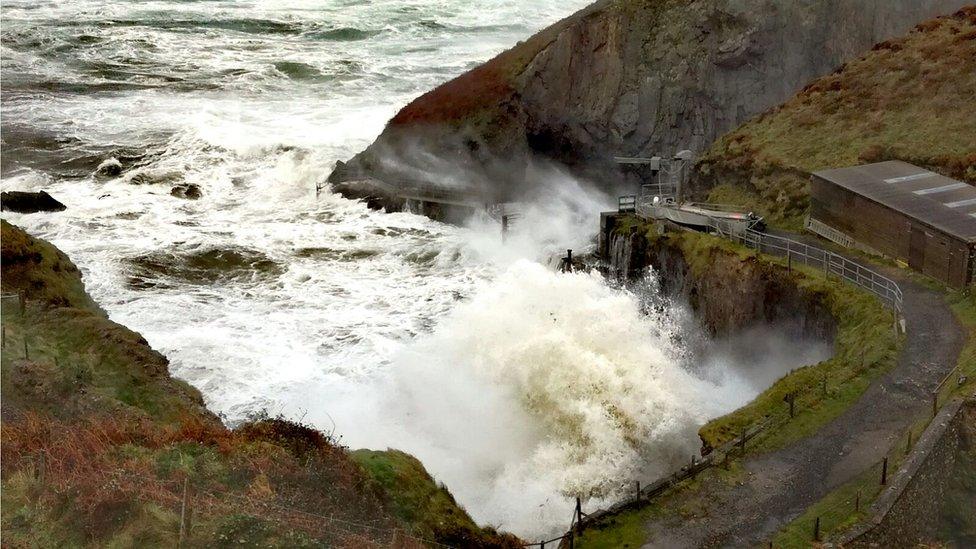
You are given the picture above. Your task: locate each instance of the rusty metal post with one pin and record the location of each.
(884, 471)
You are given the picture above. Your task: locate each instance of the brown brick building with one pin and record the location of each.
(902, 211)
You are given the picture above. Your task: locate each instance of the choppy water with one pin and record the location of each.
(514, 385)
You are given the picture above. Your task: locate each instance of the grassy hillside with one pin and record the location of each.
(909, 99)
(101, 447)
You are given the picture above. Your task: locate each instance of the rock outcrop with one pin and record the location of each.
(28, 202)
(626, 77)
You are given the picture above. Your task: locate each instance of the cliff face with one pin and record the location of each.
(627, 77)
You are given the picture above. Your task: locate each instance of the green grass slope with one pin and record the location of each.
(909, 99)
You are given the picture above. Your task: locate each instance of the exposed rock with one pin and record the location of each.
(628, 77)
(189, 191)
(110, 167)
(28, 202)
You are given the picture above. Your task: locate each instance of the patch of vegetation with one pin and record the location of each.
(907, 99)
(39, 271)
(425, 506)
(964, 305)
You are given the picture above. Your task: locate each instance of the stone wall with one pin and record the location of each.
(910, 511)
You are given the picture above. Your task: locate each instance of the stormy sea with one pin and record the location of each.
(190, 141)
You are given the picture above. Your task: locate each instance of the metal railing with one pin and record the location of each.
(829, 262)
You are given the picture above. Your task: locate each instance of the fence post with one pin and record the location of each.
(504, 228)
(884, 471)
(183, 514)
(857, 502)
(579, 517)
(816, 530)
(26, 352)
(789, 260)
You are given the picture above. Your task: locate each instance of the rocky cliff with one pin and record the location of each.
(626, 77)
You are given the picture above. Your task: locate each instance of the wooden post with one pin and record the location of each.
(26, 352)
(789, 265)
(816, 530)
(571, 542)
(542, 545)
(857, 502)
(186, 482)
(504, 227)
(884, 471)
(569, 261)
(579, 517)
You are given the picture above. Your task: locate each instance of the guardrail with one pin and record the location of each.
(793, 250)
(829, 262)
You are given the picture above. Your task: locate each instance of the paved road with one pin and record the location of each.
(780, 485)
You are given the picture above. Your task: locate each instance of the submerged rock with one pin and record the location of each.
(28, 202)
(201, 266)
(110, 167)
(188, 191)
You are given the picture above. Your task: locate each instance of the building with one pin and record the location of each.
(902, 211)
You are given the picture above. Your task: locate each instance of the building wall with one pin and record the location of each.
(892, 233)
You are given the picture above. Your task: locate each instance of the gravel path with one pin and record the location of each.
(780, 485)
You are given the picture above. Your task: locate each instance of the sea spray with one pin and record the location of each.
(541, 387)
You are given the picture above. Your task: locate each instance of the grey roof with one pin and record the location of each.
(941, 202)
